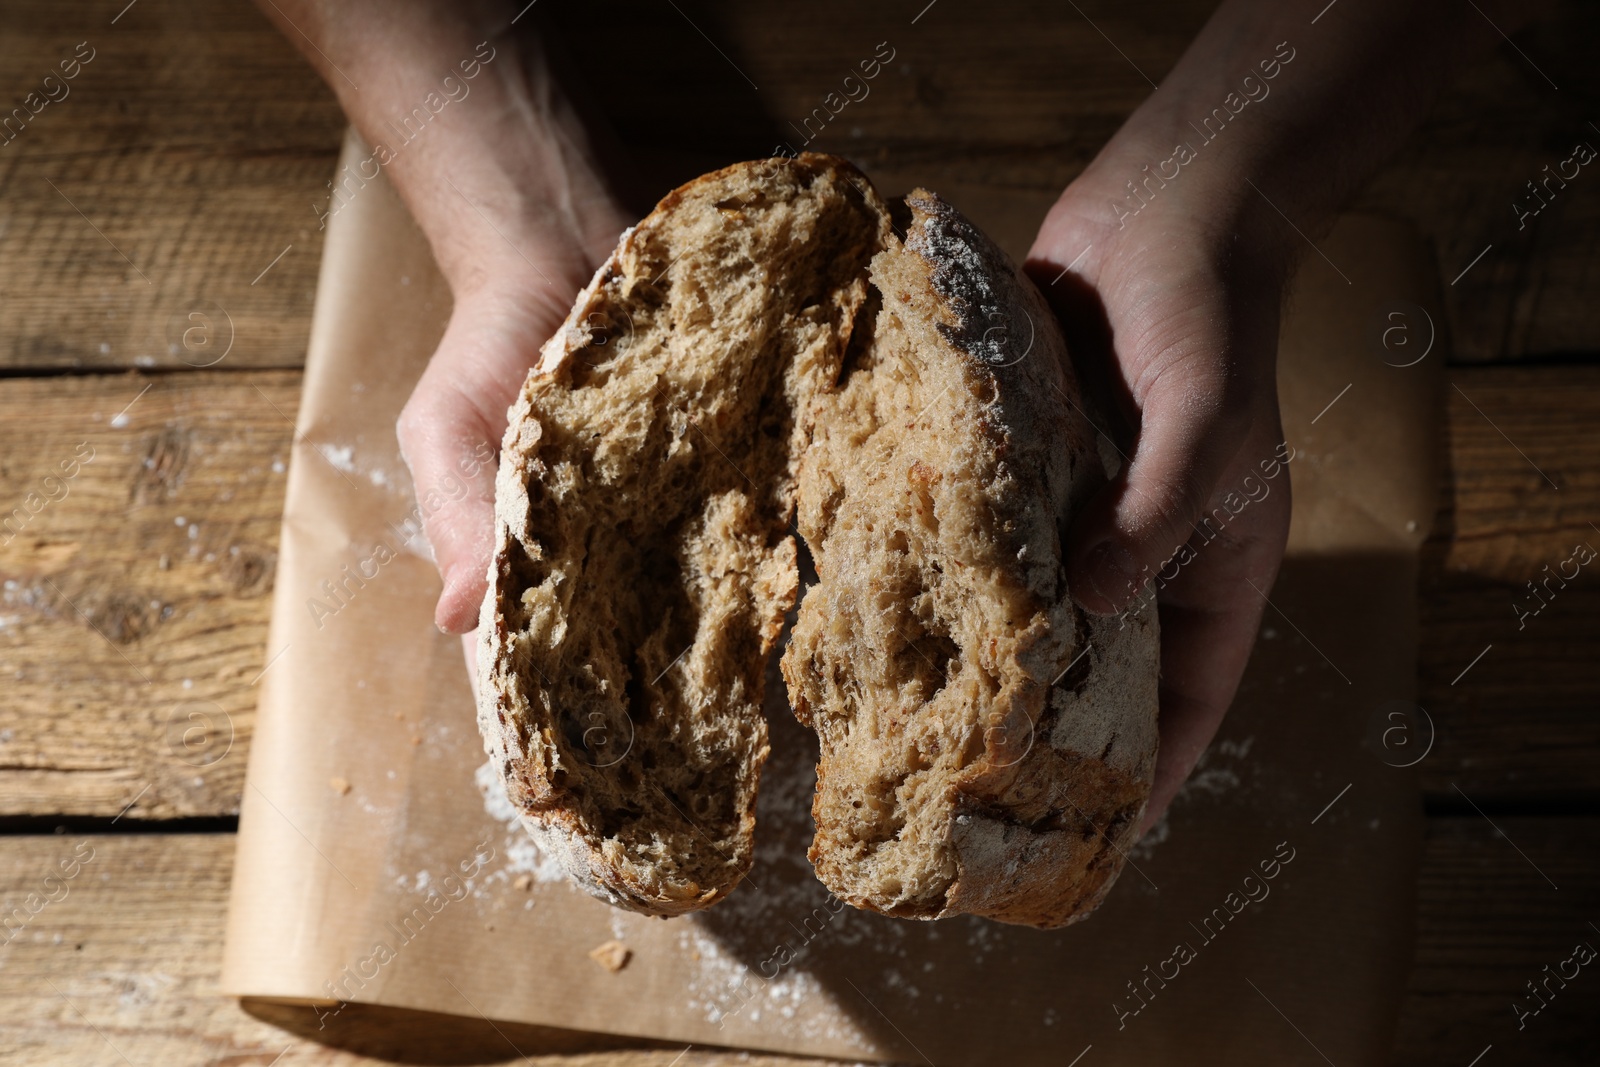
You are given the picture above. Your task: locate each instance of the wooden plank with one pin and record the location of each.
(184, 158)
(1488, 921)
(132, 948)
(196, 141)
(205, 447)
(1488, 135)
(1519, 726)
(122, 967)
(138, 537)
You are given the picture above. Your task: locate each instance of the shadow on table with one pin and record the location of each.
(406, 1036)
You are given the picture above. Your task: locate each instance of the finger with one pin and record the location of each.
(1187, 436)
(1204, 651)
(450, 432)
(1200, 378)
(451, 453)
(1210, 612)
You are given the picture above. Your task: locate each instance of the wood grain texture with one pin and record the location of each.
(1490, 921)
(191, 150)
(137, 216)
(131, 950)
(133, 606)
(121, 967)
(185, 156)
(1521, 726)
(205, 447)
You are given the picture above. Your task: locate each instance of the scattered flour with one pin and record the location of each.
(521, 854)
(796, 1001)
(1213, 780)
(1215, 774)
(525, 857)
(1217, 771)
(1235, 749)
(1145, 848)
(341, 457)
(773, 957)
(494, 794)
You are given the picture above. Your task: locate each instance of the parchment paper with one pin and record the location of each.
(374, 867)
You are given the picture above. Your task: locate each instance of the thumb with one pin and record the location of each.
(450, 432)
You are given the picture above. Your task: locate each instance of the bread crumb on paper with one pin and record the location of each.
(523, 882)
(613, 955)
(339, 785)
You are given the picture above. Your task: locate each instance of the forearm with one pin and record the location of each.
(468, 122)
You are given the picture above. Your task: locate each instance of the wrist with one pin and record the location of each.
(1151, 193)
(491, 233)
(1266, 116)
(1203, 167)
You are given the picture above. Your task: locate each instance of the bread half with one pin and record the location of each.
(987, 748)
(761, 355)
(643, 559)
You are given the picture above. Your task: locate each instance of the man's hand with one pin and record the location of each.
(504, 179)
(1184, 332)
(1166, 261)
(456, 418)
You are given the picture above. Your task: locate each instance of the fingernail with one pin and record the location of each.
(1106, 579)
(452, 579)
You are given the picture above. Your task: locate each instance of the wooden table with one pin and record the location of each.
(179, 177)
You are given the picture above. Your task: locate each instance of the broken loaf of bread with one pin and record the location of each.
(765, 360)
